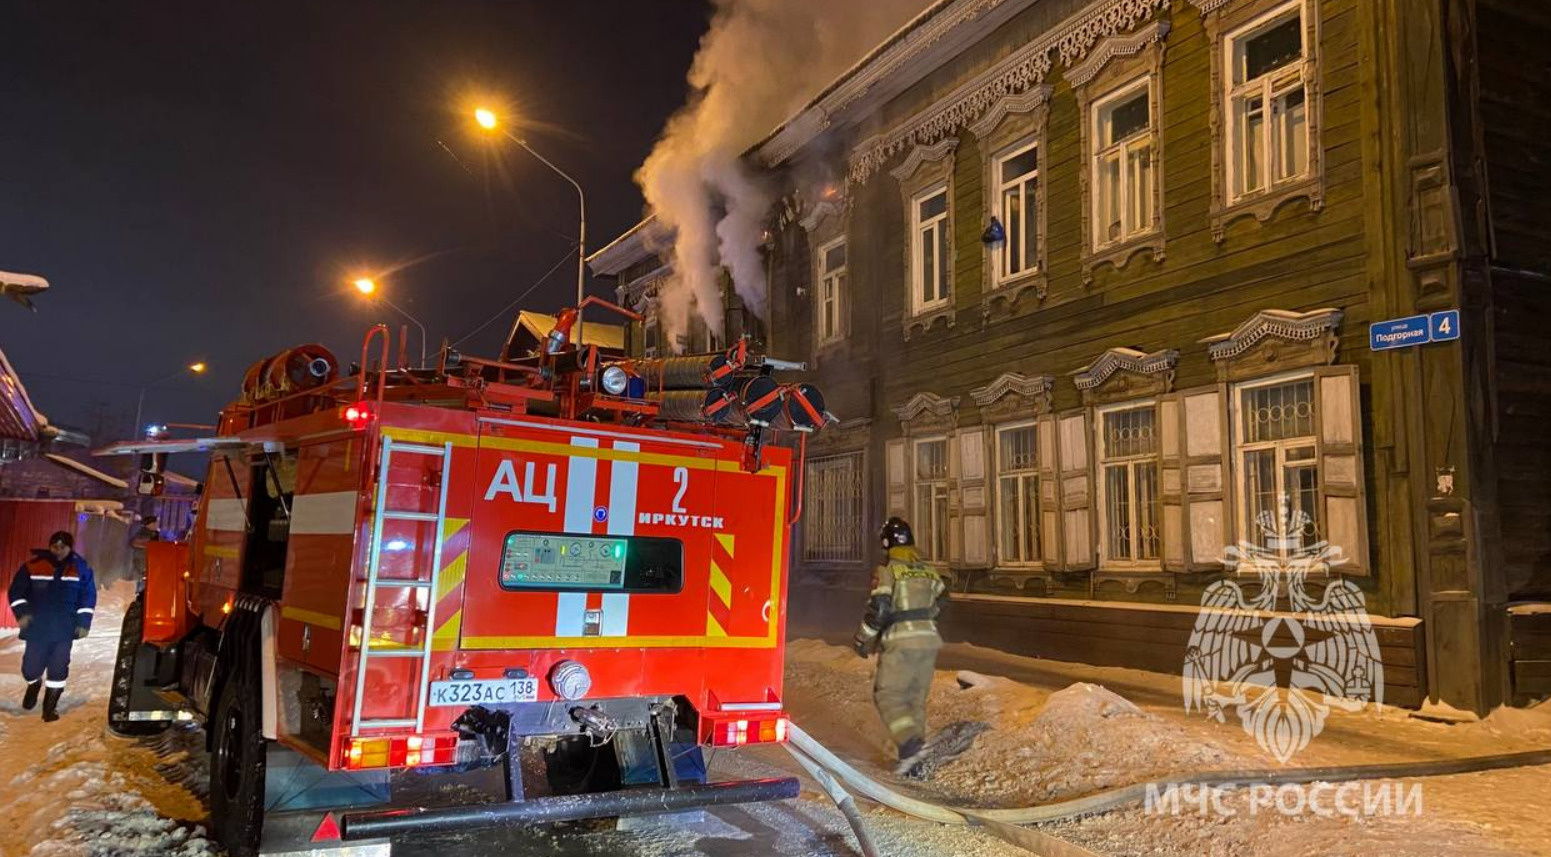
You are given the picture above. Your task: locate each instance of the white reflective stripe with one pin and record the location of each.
(227, 514)
(581, 487)
(330, 513)
(570, 614)
(69, 577)
(42, 577)
(85, 610)
(18, 602)
(54, 685)
(622, 504)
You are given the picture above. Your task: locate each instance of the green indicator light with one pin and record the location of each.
(619, 550)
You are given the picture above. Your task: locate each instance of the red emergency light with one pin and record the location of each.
(358, 415)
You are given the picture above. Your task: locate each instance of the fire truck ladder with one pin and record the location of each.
(426, 583)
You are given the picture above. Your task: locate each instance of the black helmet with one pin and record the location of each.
(896, 533)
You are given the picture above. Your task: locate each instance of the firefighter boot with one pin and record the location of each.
(30, 698)
(51, 703)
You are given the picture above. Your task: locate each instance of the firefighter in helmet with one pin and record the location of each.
(901, 622)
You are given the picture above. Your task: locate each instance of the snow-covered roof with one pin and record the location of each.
(86, 470)
(19, 419)
(31, 282)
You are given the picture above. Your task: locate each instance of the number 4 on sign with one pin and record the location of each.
(1444, 325)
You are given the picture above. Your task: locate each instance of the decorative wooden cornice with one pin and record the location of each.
(1127, 45)
(929, 405)
(1021, 70)
(1207, 7)
(1027, 101)
(1124, 360)
(1031, 387)
(1273, 323)
(1013, 396)
(924, 155)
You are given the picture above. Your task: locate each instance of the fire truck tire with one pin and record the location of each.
(124, 667)
(237, 766)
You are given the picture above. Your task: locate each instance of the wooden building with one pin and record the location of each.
(1090, 289)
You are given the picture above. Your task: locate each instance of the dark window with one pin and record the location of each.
(1129, 118)
(1274, 48)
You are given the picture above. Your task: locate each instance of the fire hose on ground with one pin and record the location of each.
(834, 776)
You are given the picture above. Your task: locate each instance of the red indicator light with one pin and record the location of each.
(358, 415)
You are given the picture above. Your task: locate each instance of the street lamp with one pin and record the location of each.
(368, 286)
(488, 120)
(197, 368)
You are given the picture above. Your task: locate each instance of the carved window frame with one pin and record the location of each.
(1116, 65)
(1224, 22)
(926, 168)
(831, 226)
(1013, 123)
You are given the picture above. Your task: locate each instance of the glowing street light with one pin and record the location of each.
(198, 368)
(489, 121)
(367, 286)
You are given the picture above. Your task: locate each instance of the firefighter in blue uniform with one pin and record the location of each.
(53, 597)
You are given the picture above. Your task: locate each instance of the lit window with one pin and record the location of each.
(1122, 165)
(832, 523)
(831, 290)
(929, 249)
(1017, 173)
(1128, 484)
(1277, 463)
(1267, 103)
(1017, 496)
(931, 512)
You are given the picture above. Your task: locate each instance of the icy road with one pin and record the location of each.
(1061, 731)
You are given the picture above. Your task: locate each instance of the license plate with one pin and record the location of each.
(484, 691)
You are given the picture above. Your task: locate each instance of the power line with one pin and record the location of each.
(501, 313)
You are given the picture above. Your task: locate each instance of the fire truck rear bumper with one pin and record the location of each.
(381, 823)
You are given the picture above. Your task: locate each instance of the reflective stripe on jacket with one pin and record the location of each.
(59, 595)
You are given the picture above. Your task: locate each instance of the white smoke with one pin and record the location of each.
(760, 61)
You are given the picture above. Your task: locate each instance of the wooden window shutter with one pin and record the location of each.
(1073, 440)
(1342, 500)
(1049, 492)
(898, 488)
(1208, 531)
(970, 451)
(1171, 428)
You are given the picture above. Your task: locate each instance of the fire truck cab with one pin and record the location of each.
(517, 564)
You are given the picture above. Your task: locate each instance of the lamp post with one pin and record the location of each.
(488, 120)
(197, 368)
(367, 286)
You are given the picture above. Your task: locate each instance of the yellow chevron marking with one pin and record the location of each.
(721, 585)
(726, 540)
(452, 575)
(446, 636)
(453, 526)
(713, 628)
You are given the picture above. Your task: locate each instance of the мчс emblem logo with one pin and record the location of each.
(1282, 672)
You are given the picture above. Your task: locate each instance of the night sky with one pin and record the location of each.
(201, 180)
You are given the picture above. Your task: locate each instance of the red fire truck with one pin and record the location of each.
(564, 565)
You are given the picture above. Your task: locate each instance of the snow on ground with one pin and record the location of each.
(70, 789)
(1067, 730)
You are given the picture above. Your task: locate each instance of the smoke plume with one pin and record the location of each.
(760, 61)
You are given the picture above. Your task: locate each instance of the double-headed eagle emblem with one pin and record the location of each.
(1282, 671)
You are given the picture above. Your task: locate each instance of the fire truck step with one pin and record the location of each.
(417, 449)
(387, 723)
(391, 515)
(544, 810)
(395, 653)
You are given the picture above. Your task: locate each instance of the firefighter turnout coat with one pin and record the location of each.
(902, 613)
(60, 596)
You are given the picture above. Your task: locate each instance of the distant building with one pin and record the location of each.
(1091, 295)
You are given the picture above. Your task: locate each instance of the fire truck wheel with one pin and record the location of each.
(124, 676)
(237, 767)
